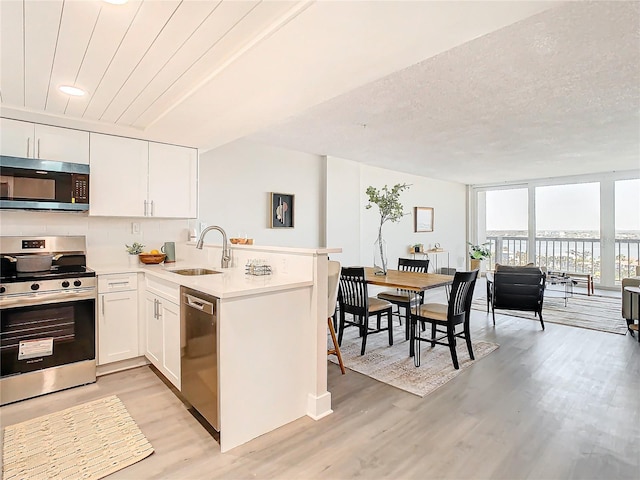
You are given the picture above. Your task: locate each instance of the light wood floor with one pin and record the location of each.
(558, 404)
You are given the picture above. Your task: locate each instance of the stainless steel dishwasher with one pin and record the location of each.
(199, 355)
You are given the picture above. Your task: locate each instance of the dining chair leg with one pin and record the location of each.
(493, 313)
(364, 335)
(407, 320)
(341, 330)
(452, 346)
(467, 337)
(336, 347)
(433, 334)
(541, 321)
(390, 326)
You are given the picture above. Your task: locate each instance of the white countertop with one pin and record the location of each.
(231, 283)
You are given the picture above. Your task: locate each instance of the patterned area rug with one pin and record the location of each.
(392, 364)
(592, 312)
(89, 441)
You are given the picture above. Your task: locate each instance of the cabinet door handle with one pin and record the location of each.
(28, 145)
(159, 309)
(145, 208)
(38, 154)
(103, 307)
(155, 308)
(152, 208)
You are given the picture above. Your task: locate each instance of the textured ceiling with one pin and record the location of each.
(553, 95)
(473, 92)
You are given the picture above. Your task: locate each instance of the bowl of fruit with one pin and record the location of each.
(152, 257)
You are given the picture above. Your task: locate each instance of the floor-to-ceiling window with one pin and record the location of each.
(507, 226)
(567, 219)
(587, 224)
(627, 221)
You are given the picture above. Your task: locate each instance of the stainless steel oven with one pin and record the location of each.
(47, 319)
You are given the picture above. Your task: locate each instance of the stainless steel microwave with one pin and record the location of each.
(31, 184)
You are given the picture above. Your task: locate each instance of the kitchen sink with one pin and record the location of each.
(194, 271)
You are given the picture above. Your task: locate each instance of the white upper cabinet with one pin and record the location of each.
(118, 179)
(172, 180)
(44, 142)
(136, 178)
(62, 144)
(16, 138)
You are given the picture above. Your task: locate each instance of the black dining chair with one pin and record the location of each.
(406, 298)
(447, 316)
(353, 298)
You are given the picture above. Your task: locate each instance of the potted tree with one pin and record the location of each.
(388, 202)
(477, 253)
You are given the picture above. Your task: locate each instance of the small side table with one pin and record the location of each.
(633, 292)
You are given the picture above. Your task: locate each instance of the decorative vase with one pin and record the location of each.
(475, 264)
(133, 260)
(380, 256)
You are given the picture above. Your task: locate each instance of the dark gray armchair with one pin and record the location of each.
(518, 288)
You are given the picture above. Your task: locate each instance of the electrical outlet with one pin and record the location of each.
(135, 227)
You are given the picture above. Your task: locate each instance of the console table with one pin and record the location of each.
(583, 277)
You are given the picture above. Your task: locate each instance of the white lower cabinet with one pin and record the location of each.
(117, 318)
(153, 343)
(171, 329)
(162, 342)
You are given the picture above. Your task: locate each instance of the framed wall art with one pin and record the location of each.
(282, 210)
(423, 219)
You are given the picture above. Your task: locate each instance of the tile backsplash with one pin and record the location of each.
(106, 236)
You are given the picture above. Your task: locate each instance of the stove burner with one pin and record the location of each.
(56, 272)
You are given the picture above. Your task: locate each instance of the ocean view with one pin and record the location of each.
(577, 251)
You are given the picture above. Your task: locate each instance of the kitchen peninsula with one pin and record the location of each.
(271, 332)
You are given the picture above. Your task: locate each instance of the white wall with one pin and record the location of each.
(347, 182)
(106, 237)
(235, 182)
(344, 210)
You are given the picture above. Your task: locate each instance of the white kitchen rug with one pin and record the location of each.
(88, 442)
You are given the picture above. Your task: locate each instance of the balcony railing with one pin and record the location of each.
(581, 255)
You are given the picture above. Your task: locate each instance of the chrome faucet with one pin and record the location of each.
(226, 255)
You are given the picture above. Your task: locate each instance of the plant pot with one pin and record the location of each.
(134, 261)
(475, 264)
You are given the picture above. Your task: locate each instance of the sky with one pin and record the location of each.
(563, 207)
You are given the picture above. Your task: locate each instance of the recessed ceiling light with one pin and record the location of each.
(69, 90)
(117, 2)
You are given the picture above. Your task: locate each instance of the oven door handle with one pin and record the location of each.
(42, 298)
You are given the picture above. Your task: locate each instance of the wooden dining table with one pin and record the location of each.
(413, 281)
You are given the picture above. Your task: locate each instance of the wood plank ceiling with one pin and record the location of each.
(135, 60)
